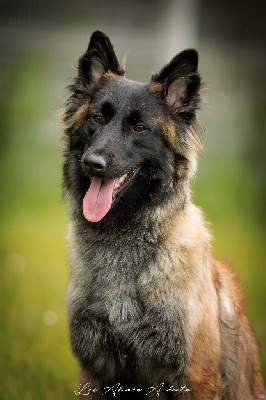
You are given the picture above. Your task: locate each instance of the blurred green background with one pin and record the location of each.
(40, 44)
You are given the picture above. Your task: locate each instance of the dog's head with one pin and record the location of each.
(130, 146)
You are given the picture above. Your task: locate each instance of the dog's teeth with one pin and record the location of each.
(120, 180)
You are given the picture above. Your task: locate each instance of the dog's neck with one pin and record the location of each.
(141, 235)
(143, 226)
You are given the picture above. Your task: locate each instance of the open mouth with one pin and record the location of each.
(101, 194)
(123, 181)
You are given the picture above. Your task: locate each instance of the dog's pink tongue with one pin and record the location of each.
(98, 199)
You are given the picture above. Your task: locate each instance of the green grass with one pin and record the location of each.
(36, 359)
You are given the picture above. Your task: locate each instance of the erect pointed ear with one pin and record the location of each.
(180, 80)
(98, 59)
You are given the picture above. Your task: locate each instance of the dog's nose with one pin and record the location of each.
(94, 162)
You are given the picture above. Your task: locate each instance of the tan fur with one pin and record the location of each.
(205, 358)
(169, 132)
(81, 113)
(191, 276)
(78, 118)
(156, 88)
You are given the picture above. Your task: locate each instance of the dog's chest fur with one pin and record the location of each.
(123, 292)
(108, 266)
(108, 269)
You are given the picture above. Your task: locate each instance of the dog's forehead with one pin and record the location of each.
(124, 94)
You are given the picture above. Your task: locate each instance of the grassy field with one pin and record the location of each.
(36, 362)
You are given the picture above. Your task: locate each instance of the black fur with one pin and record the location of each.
(99, 50)
(115, 333)
(129, 103)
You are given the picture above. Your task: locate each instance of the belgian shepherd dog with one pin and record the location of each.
(152, 313)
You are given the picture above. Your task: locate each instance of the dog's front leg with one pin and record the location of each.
(91, 343)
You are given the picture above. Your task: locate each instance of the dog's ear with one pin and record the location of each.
(180, 81)
(98, 59)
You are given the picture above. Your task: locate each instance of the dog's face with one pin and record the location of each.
(130, 146)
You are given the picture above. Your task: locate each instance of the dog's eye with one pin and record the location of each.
(97, 118)
(139, 128)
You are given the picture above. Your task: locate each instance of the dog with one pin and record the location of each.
(152, 313)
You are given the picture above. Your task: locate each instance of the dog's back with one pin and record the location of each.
(151, 312)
